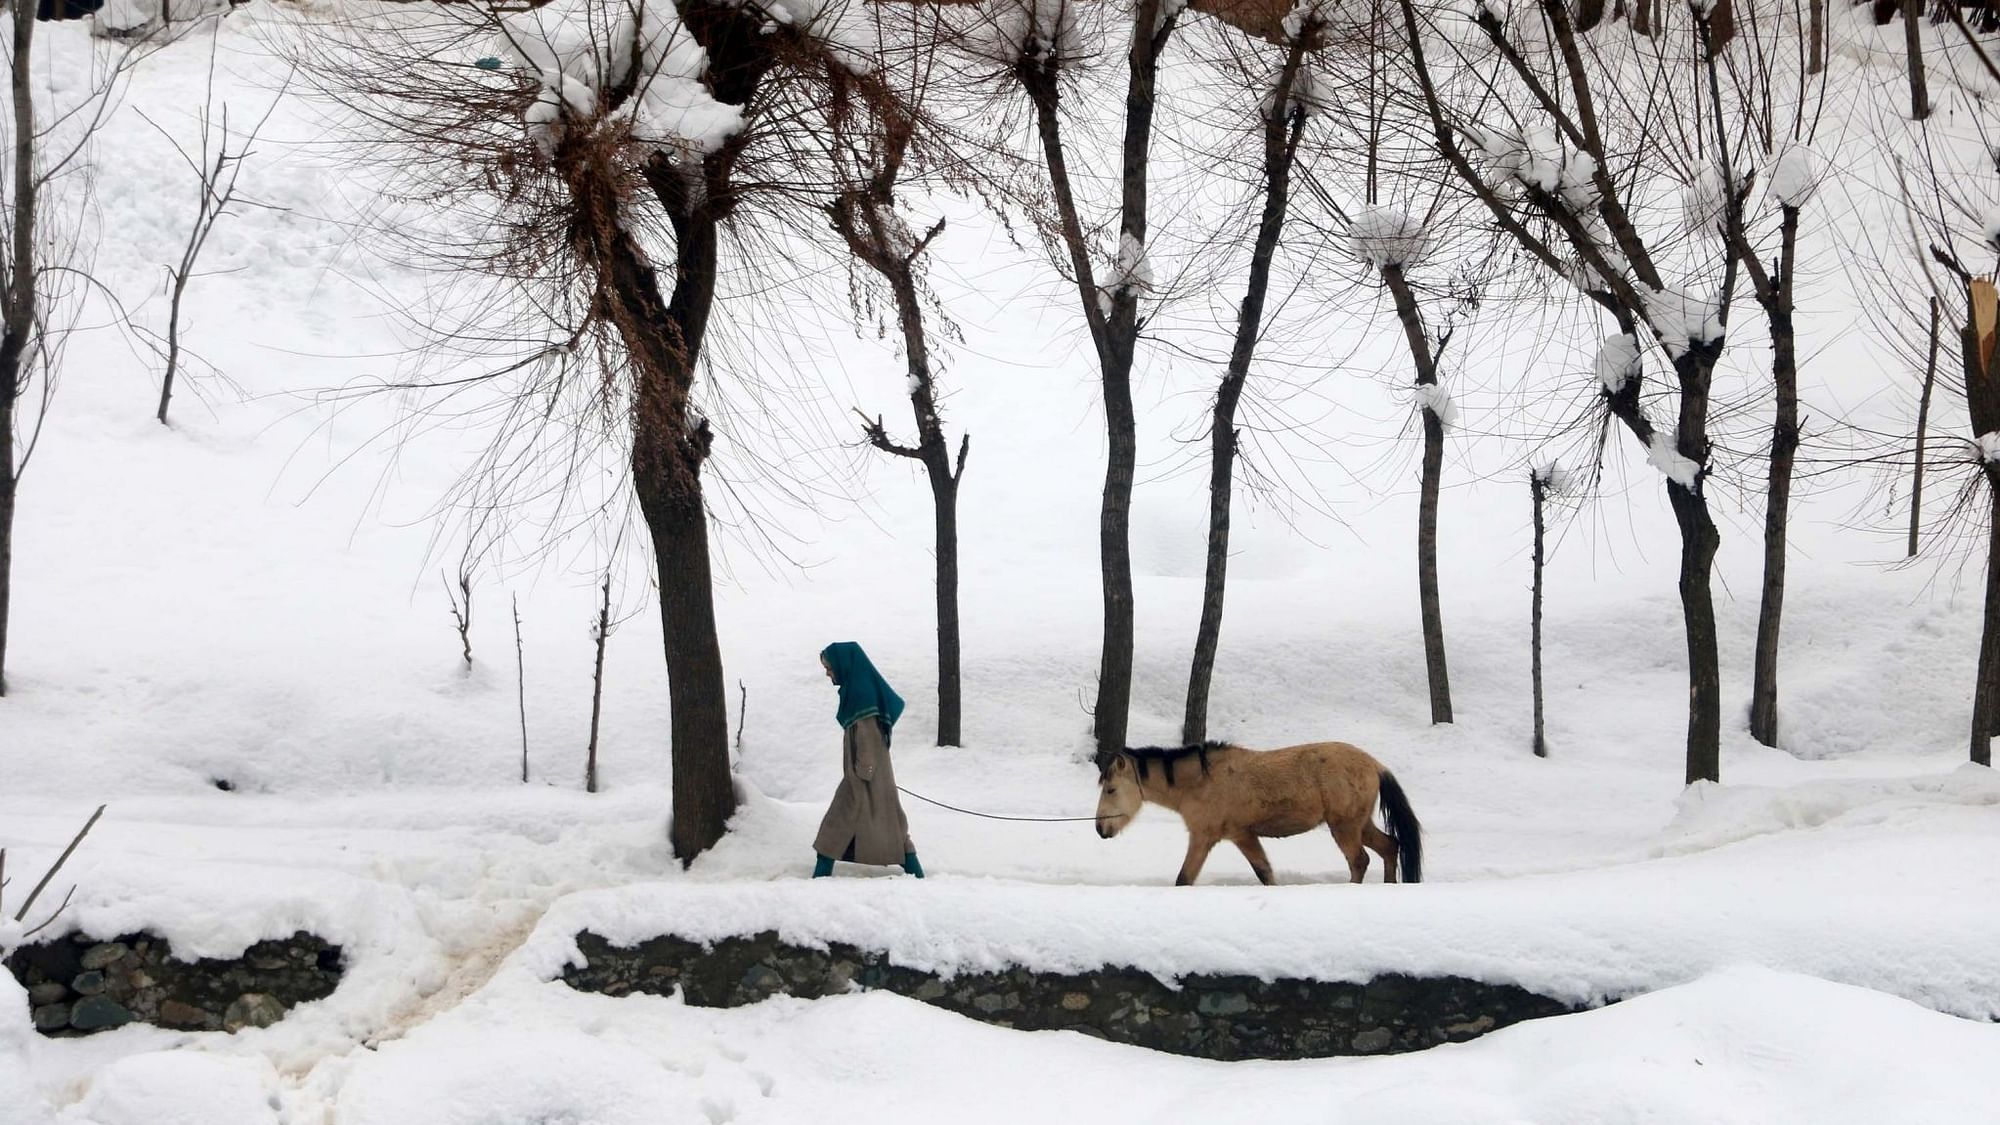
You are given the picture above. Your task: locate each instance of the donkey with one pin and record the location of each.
(1226, 792)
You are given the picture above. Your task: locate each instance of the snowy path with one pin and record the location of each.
(1885, 881)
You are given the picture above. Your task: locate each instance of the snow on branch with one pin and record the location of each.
(1705, 202)
(1662, 455)
(1684, 319)
(582, 49)
(1986, 448)
(1130, 271)
(1436, 400)
(1040, 29)
(1618, 362)
(1307, 13)
(1385, 236)
(1532, 157)
(1795, 175)
(1990, 229)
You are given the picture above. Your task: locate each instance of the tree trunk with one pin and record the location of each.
(19, 295)
(173, 344)
(1913, 41)
(1538, 489)
(703, 795)
(597, 687)
(1283, 124)
(1983, 695)
(8, 380)
(1695, 369)
(1208, 633)
(944, 496)
(668, 448)
(1923, 428)
(1114, 332)
(1778, 495)
(1699, 540)
(1425, 361)
(1816, 37)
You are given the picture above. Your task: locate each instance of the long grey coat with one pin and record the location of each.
(865, 814)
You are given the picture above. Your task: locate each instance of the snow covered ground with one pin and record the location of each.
(251, 596)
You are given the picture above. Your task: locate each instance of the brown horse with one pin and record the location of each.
(1226, 792)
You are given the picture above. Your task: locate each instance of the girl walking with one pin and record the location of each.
(865, 823)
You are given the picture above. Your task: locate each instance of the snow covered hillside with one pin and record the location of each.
(233, 631)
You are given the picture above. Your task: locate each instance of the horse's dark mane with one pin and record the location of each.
(1144, 756)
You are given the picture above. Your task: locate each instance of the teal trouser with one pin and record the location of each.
(823, 865)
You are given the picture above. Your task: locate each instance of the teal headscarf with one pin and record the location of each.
(863, 691)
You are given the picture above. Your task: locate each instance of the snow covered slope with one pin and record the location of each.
(252, 596)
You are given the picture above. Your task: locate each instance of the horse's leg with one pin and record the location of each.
(1348, 838)
(1197, 854)
(1253, 850)
(1383, 845)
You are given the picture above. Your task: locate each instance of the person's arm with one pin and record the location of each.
(864, 755)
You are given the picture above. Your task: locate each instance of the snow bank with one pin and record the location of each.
(21, 1102)
(1582, 937)
(1742, 1045)
(502, 1075)
(183, 1088)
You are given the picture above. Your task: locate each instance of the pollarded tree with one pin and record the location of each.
(609, 159)
(870, 144)
(1284, 102)
(1429, 248)
(1539, 130)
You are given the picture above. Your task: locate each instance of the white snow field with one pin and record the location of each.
(251, 596)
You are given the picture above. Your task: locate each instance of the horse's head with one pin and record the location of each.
(1118, 798)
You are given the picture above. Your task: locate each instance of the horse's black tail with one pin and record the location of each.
(1403, 827)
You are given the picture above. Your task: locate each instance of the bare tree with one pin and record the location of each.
(619, 155)
(600, 632)
(1769, 91)
(1554, 182)
(876, 233)
(44, 268)
(1541, 481)
(1923, 428)
(21, 915)
(217, 163)
(1040, 42)
(521, 684)
(1282, 121)
(1982, 399)
(1913, 46)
